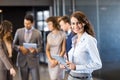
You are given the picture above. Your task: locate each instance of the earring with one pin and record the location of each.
(83, 24)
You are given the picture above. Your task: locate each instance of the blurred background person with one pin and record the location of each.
(64, 22)
(56, 41)
(28, 58)
(6, 65)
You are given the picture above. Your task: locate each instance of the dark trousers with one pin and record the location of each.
(24, 72)
(9, 77)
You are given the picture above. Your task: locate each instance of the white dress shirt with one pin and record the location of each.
(85, 54)
(69, 31)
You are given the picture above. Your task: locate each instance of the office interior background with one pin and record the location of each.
(103, 14)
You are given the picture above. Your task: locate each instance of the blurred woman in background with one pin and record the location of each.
(6, 51)
(56, 41)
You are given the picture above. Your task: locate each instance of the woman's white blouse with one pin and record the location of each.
(85, 54)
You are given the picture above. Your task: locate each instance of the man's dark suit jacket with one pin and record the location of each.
(69, 41)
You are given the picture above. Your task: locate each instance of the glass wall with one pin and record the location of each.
(109, 14)
(41, 17)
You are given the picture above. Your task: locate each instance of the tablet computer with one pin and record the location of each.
(30, 45)
(62, 61)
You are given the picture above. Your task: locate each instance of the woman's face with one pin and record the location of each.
(50, 25)
(76, 25)
(9, 31)
(8, 34)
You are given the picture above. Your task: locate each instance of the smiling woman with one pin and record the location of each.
(83, 56)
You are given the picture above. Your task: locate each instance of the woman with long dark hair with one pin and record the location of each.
(6, 50)
(84, 55)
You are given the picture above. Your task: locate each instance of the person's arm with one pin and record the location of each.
(48, 52)
(16, 44)
(39, 43)
(4, 58)
(53, 61)
(15, 41)
(94, 56)
(63, 47)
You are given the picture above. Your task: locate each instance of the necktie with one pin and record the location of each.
(27, 36)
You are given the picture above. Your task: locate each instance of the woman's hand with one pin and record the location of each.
(12, 72)
(62, 66)
(54, 62)
(71, 65)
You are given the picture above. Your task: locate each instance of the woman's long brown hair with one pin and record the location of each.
(80, 16)
(4, 28)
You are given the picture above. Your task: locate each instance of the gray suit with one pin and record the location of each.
(29, 62)
(5, 63)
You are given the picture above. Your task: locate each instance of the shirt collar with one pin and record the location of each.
(69, 31)
(29, 30)
(82, 37)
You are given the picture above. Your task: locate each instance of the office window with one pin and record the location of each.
(41, 20)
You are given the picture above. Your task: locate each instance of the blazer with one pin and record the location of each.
(69, 41)
(31, 60)
(5, 62)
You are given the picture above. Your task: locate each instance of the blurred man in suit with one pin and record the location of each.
(64, 23)
(28, 58)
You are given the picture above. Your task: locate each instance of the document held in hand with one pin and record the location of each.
(30, 45)
(62, 61)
